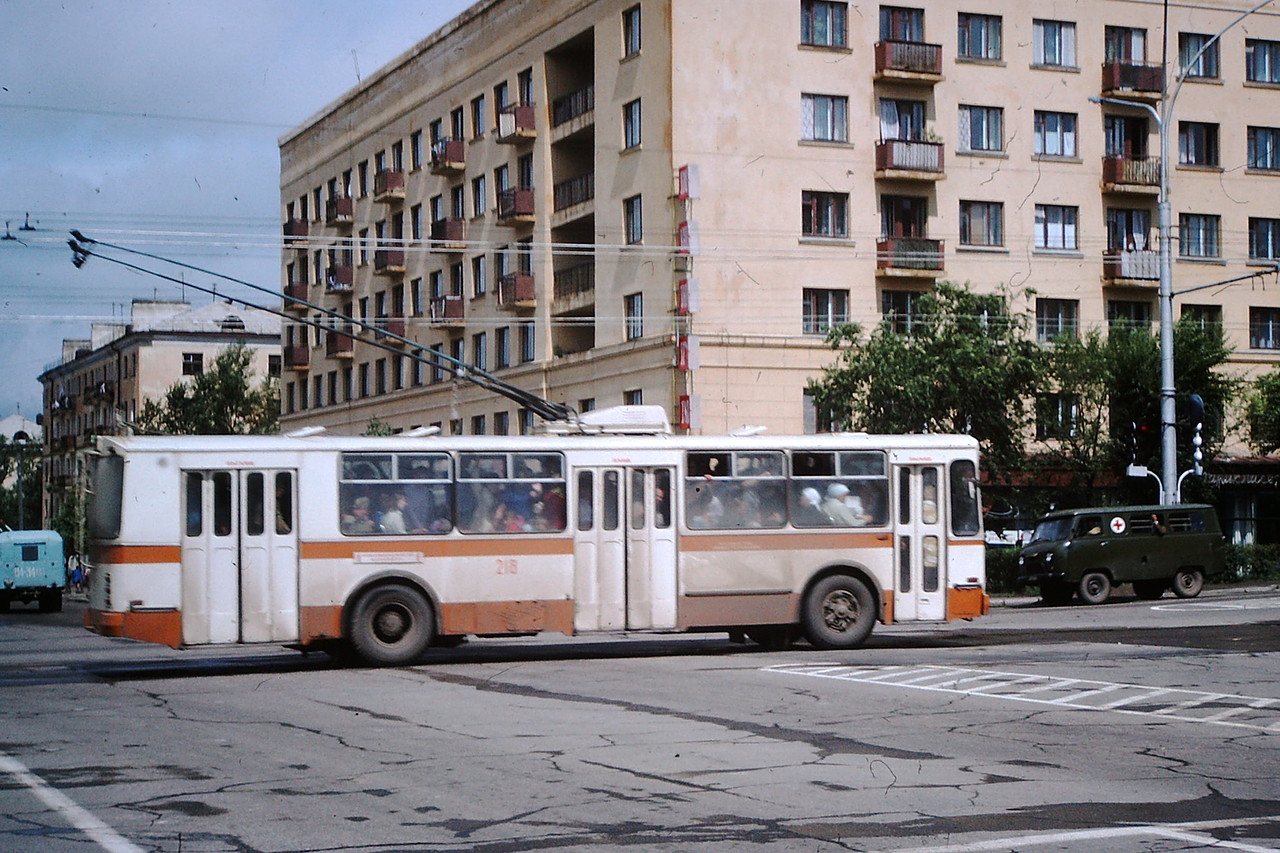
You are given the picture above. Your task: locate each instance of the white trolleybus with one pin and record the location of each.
(388, 545)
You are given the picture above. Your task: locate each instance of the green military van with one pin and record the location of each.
(1087, 552)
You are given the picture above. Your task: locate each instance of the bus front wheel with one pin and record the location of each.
(391, 625)
(839, 613)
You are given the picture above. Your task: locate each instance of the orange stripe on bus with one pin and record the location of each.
(113, 554)
(347, 549)
(758, 541)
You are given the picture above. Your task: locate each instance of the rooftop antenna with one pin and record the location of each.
(26, 224)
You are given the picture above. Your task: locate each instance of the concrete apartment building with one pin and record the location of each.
(101, 382)
(670, 201)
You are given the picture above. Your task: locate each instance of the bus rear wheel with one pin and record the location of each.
(839, 613)
(1187, 583)
(391, 625)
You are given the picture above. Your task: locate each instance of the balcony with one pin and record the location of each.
(339, 211)
(909, 159)
(575, 105)
(295, 294)
(516, 124)
(388, 186)
(446, 310)
(297, 357)
(574, 288)
(295, 230)
(516, 291)
(339, 279)
(388, 261)
(449, 157)
(339, 345)
(574, 191)
(909, 256)
(387, 325)
(516, 205)
(449, 235)
(1131, 174)
(1132, 267)
(1132, 80)
(909, 61)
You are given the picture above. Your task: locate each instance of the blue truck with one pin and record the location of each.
(32, 568)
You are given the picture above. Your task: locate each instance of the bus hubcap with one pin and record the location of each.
(391, 624)
(841, 609)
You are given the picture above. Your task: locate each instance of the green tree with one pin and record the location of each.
(223, 400)
(21, 463)
(964, 365)
(1077, 376)
(1262, 412)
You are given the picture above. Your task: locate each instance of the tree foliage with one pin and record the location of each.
(1263, 413)
(22, 464)
(964, 365)
(225, 399)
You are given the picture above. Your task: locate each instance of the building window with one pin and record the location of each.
(415, 150)
(901, 119)
(824, 309)
(633, 310)
(477, 117)
(979, 36)
(364, 380)
(1129, 314)
(633, 220)
(192, 363)
(1055, 134)
(1198, 235)
(362, 177)
(1056, 227)
(981, 223)
(1262, 61)
(1264, 148)
(501, 423)
(1053, 43)
(478, 426)
(1056, 416)
(898, 308)
(824, 214)
(1125, 45)
(631, 124)
(274, 365)
(479, 276)
(824, 118)
(631, 31)
(1192, 61)
(480, 350)
(823, 23)
(502, 347)
(415, 222)
(898, 23)
(1264, 328)
(981, 128)
(1264, 239)
(527, 349)
(479, 196)
(1197, 143)
(1056, 318)
(633, 397)
(1204, 316)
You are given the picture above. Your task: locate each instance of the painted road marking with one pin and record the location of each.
(1248, 604)
(106, 837)
(1167, 703)
(1187, 833)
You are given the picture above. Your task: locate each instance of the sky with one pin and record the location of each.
(155, 125)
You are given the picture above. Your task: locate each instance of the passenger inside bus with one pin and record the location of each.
(808, 511)
(357, 521)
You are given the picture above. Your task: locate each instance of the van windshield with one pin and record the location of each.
(1052, 529)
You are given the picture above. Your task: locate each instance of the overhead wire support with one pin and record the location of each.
(81, 248)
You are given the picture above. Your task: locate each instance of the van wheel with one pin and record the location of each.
(1094, 588)
(839, 613)
(391, 625)
(1149, 590)
(1187, 583)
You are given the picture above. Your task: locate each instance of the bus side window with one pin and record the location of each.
(662, 497)
(904, 496)
(284, 502)
(586, 500)
(966, 517)
(610, 506)
(637, 499)
(254, 509)
(195, 510)
(222, 503)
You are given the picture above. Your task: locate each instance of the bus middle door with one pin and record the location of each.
(920, 540)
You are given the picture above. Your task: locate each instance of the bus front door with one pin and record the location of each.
(920, 542)
(624, 550)
(239, 557)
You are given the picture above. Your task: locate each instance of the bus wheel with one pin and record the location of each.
(775, 638)
(839, 613)
(1095, 588)
(1149, 590)
(1187, 583)
(391, 625)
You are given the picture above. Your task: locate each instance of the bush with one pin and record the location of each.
(1002, 568)
(1252, 563)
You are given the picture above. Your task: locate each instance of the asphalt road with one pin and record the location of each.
(1145, 726)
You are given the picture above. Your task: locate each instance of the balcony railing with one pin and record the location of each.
(448, 156)
(568, 107)
(295, 230)
(448, 235)
(338, 345)
(388, 185)
(909, 253)
(293, 291)
(338, 279)
(1132, 78)
(390, 325)
(517, 123)
(516, 290)
(907, 155)
(516, 205)
(909, 60)
(1133, 265)
(446, 309)
(575, 281)
(1131, 171)
(388, 261)
(574, 191)
(339, 210)
(297, 357)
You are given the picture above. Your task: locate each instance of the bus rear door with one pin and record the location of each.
(920, 542)
(239, 557)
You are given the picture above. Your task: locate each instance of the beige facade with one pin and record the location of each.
(674, 214)
(102, 382)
